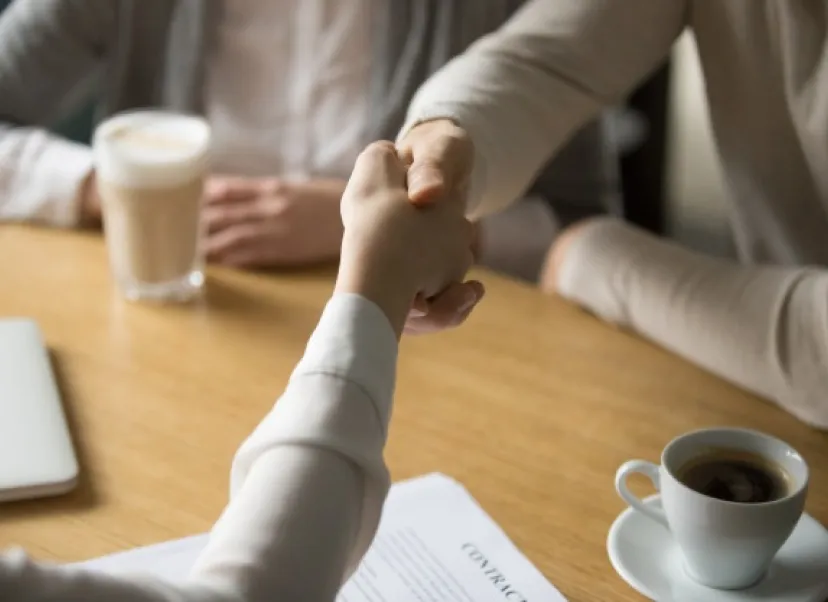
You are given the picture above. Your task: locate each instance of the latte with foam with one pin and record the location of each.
(150, 169)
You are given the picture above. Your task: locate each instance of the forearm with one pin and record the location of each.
(23, 580)
(524, 90)
(307, 486)
(379, 280)
(299, 549)
(763, 328)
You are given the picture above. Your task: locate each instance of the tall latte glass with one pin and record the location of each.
(150, 168)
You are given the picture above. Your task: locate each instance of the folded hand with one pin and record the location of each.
(440, 156)
(258, 222)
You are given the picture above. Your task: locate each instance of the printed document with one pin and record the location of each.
(434, 544)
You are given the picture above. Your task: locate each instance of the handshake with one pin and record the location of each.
(406, 247)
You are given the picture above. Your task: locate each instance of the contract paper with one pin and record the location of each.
(434, 544)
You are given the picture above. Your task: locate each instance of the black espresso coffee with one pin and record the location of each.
(735, 476)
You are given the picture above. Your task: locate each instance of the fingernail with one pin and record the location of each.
(420, 181)
(415, 182)
(469, 300)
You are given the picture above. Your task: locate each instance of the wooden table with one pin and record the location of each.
(532, 406)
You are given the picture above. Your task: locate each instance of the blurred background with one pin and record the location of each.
(671, 176)
(695, 193)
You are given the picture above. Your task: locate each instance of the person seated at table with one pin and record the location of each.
(762, 327)
(309, 483)
(496, 113)
(292, 91)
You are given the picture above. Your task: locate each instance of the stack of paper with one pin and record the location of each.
(434, 543)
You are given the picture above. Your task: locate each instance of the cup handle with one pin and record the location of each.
(649, 470)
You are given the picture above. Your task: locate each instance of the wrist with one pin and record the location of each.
(382, 281)
(89, 211)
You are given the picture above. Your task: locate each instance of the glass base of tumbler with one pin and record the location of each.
(175, 291)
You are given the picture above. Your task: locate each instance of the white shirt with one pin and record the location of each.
(287, 91)
(286, 95)
(307, 487)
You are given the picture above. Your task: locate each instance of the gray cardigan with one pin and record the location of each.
(151, 53)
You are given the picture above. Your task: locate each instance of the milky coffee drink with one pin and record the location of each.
(150, 168)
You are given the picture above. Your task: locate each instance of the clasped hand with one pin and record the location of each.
(397, 254)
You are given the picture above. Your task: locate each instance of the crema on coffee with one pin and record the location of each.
(735, 476)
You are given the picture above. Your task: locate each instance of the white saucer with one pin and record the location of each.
(643, 553)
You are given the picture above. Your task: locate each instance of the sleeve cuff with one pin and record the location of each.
(49, 188)
(340, 395)
(355, 341)
(591, 273)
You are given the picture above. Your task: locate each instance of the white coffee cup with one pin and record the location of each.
(725, 545)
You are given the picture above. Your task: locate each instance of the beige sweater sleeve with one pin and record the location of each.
(763, 328)
(522, 91)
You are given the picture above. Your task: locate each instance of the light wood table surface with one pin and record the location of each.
(532, 406)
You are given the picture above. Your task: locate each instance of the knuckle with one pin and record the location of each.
(276, 211)
(210, 215)
(234, 239)
(245, 234)
(380, 149)
(222, 215)
(214, 188)
(269, 208)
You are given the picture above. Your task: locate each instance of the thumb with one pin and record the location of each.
(439, 154)
(426, 181)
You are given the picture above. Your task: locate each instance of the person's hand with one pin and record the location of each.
(440, 156)
(394, 252)
(258, 222)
